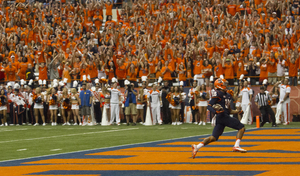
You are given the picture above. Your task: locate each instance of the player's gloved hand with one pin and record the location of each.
(218, 108)
(241, 112)
(220, 111)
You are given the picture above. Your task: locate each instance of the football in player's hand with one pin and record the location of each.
(217, 107)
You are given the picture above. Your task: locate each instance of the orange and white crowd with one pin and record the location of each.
(175, 40)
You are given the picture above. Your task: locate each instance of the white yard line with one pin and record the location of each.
(114, 146)
(21, 150)
(67, 135)
(5, 130)
(53, 150)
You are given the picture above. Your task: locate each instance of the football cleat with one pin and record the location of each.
(194, 151)
(239, 149)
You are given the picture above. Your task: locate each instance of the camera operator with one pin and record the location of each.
(130, 103)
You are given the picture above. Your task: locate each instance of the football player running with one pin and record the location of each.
(220, 105)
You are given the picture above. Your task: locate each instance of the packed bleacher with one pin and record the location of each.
(54, 46)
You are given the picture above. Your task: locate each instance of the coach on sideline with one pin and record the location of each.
(130, 103)
(86, 102)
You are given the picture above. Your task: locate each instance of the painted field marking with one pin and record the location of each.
(53, 150)
(5, 130)
(114, 146)
(21, 129)
(67, 135)
(184, 128)
(21, 150)
(160, 128)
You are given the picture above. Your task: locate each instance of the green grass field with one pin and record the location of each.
(28, 141)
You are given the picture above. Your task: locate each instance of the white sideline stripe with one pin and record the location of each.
(21, 150)
(55, 150)
(112, 147)
(67, 135)
(5, 130)
(21, 129)
(184, 128)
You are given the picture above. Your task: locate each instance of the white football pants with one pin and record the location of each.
(156, 114)
(244, 108)
(114, 113)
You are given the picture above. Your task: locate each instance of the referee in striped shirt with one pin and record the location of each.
(262, 101)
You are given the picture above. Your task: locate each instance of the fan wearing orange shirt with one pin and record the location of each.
(110, 22)
(109, 5)
(64, 42)
(11, 72)
(23, 67)
(197, 71)
(232, 9)
(66, 74)
(263, 69)
(166, 72)
(98, 20)
(43, 70)
(144, 69)
(132, 73)
(152, 67)
(272, 69)
(293, 65)
(83, 71)
(110, 70)
(121, 72)
(206, 69)
(218, 70)
(92, 70)
(210, 50)
(228, 66)
(181, 73)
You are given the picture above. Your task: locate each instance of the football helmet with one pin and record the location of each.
(220, 84)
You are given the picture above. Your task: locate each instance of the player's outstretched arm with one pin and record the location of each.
(235, 111)
(212, 102)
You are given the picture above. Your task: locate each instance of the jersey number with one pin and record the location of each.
(227, 103)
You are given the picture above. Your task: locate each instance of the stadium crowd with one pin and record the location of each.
(74, 44)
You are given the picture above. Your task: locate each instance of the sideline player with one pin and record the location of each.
(220, 105)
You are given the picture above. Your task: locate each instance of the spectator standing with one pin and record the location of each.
(130, 104)
(115, 101)
(86, 102)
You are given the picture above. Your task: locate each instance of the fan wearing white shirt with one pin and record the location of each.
(156, 102)
(284, 99)
(115, 100)
(246, 96)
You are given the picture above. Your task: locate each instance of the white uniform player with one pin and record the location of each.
(284, 98)
(114, 105)
(155, 105)
(246, 96)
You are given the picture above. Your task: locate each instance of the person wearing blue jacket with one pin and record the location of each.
(86, 102)
(130, 103)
